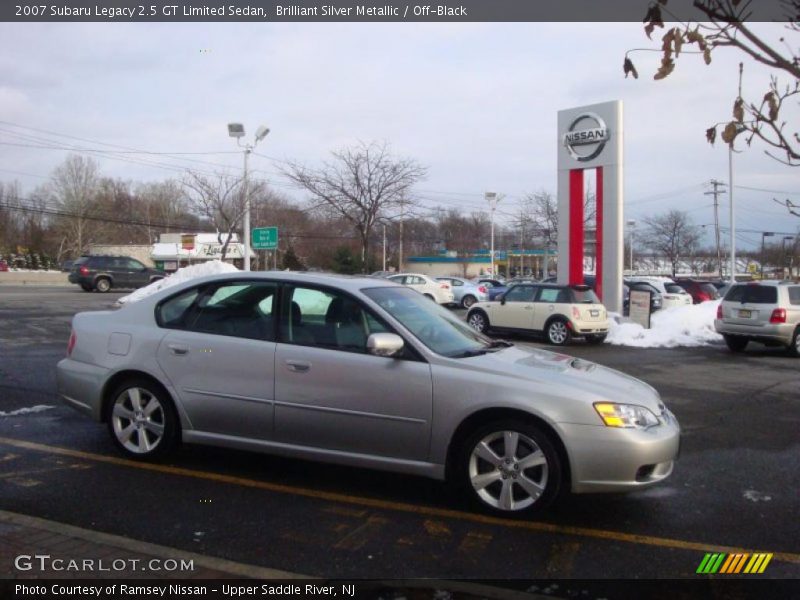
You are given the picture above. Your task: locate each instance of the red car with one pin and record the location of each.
(3, 265)
(700, 290)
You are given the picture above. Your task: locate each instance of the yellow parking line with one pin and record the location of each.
(602, 534)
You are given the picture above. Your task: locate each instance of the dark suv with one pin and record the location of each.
(102, 273)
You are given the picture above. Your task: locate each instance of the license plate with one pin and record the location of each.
(744, 314)
(594, 313)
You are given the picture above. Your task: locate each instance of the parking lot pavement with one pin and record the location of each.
(734, 487)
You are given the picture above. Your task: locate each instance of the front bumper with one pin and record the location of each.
(609, 459)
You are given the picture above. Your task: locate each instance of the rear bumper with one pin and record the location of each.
(80, 386)
(607, 459)
(782, 333)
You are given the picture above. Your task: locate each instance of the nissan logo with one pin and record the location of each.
(593, 133)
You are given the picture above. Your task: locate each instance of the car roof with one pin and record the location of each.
(350, 283)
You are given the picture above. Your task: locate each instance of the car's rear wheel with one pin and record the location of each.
(142, 419)
(430, 297)
(736, 343)
(558, 332)
(794, 347)
(510, 467)
(478, 321)
(468, 301)
(86, 287)
(103, 284)
(595, 340)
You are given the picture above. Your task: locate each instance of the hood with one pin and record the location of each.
(568, 376)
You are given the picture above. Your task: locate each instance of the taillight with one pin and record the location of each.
(84, 270)
(719, 311)
(778, 316)
(482, 289)
(444, 286)
(703, 296)
(71, 343)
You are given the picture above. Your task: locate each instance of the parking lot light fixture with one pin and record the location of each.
(236, 130)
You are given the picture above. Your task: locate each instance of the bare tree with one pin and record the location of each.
(540, 211)
(360, 184)
(672, 235)
(74, 186)
(725, 25)
(220, 200)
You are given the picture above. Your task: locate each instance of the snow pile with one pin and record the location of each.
(212, 267)
(26, 411)
(691, 325)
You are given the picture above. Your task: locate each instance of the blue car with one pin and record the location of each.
(495, 287)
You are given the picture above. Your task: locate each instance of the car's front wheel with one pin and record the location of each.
(735, 343)
(142, 419)
(558, 332)
(478, 321)
(511, 467)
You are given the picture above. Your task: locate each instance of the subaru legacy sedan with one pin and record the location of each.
(362, 372)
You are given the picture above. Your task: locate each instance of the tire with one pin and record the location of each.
(794, 347)
(735, 343)
(478, 321)
(142, 420)
(430, 297)
(595, 340)
(103, 284)
(492, 469)
(86, 287)
(468, 301)
(558, 332)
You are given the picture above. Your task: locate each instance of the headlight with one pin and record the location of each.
(625, 415)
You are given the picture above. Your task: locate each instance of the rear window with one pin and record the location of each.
(80, 261)
(752, 294)
(585, 297)
(674, 288)
(709, 289)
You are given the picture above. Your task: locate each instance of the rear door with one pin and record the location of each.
(750, 304)
(219, 356)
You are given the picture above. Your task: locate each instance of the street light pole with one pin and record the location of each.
(764, 234)
(236, 130)
(384, 248)
(491, 197)
(631, 226)
(783, 256)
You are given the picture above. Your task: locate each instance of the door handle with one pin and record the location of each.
(178, 350)
(298, 366)
(528, 307)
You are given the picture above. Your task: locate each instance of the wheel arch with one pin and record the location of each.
(558, 317)
(478, 418)
(117, 378)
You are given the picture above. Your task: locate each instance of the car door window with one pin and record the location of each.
(133, 265)
(239, 309)
(520, 293)
(548, 295)
(327, 319)
(794, 295)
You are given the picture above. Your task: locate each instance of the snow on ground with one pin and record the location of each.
(691, 325)
(25, 411)
(211, 267)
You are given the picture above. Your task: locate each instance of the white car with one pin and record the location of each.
(438, 291)
(671, 293)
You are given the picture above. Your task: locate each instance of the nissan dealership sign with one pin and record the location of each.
(586, 137)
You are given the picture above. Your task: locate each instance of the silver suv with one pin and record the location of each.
(766, 312)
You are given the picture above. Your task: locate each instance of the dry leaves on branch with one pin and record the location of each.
(730, 132)
(738, 110)
(711, 135)
(630, 69)
(667, 67)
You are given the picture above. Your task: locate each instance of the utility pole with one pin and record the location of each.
(716, 192)
(400, 244)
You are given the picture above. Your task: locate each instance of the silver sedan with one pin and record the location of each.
(362, 372)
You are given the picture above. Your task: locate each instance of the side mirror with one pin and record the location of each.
(385, 344)
(502, 298)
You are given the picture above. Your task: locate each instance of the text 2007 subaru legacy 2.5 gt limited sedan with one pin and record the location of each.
(362, 372)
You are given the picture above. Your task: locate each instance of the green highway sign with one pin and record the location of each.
(265, 238)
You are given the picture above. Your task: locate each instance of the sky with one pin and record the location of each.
(475, 103)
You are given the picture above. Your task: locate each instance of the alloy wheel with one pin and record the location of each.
(508, 470)
(138, 419)
(477, 321)
(558, 333)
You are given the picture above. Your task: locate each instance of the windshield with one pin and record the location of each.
(431, 324)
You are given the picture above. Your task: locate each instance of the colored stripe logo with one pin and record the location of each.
(719, 562)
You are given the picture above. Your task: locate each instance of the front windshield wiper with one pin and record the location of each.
(492, 347)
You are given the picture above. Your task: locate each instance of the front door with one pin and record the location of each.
(331, 394)
(516, 311)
